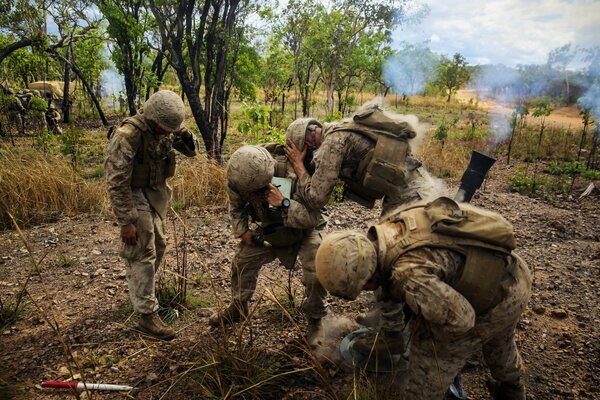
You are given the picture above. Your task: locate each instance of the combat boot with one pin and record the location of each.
(507, 390)
(383, 345)
(232, 314)
(153, 326)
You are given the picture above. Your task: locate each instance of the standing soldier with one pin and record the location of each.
(454, 267)
(140, 159)
(285, 224)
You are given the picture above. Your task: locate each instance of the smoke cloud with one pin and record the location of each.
(410, 68)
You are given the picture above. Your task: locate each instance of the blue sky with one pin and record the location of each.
(510, 32)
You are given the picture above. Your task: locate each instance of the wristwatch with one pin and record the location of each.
(285, 203)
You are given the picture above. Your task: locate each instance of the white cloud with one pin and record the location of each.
(506, 31)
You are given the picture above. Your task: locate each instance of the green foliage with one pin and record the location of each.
(573, 168)
(441, 132)
(524, 183)
(337, 195)
(247, 72)
(38, 104)
(542, 107)
(452, 74)
(255, 123)
(43, 140)
(334, 116)
(71, 142)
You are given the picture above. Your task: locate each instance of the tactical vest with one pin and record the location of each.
(485, 238)
(154, 160)
(383, 169)
(271, 220)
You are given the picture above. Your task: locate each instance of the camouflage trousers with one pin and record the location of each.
(436, 355)
(249, 260)
(142, 261)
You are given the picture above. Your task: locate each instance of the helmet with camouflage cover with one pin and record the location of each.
(296, 132)
(345, 261)
(166, 109)
(250, 168)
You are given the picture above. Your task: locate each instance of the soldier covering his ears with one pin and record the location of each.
(140, 158)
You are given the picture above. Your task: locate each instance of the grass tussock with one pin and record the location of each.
(199, 182)
(36, 187)
(448, 160)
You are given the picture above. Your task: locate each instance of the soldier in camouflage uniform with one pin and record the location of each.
(338, 151)
(285, 224)
(464, 285)
(140, 159)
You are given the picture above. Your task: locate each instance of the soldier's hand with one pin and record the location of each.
(293, 154)
(273, 195)
(129, 234)
(296, 157)
(247, 238)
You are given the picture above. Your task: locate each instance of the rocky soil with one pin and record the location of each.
(77, 318)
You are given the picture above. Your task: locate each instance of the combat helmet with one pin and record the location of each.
(296, 132)
(344, 262)
(250, 168)
(166, 109)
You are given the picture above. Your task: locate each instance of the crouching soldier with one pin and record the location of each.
(285, 224)
(140, 159)
(454, 267)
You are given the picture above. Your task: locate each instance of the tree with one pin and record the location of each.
(560, 58)
(198, 39)
(22, 21)
(452, 74)
(542, 109)
(128, 22)
(338, 31)
(586, 118)
(298, 20)
(410, 68)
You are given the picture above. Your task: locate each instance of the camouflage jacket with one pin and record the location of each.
(422, 278)
(242, 205)
(338, 157)
(124, 149)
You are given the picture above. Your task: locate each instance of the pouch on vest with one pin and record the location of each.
(481, 279)
(281, 236)
(465, 221)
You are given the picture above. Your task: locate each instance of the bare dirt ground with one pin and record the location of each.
(83, 287)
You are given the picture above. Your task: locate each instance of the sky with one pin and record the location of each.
(508, 32)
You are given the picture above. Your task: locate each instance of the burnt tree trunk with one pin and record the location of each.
(66, 105)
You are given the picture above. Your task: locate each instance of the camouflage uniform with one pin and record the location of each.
(145, 206)
(454, 267)
(447, 331)
(339, 157)
(249, 259)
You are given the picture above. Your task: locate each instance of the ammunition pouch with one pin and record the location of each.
(281, 236)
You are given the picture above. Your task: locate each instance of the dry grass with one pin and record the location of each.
(36, 187)
(198, 182)
(449, 160)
